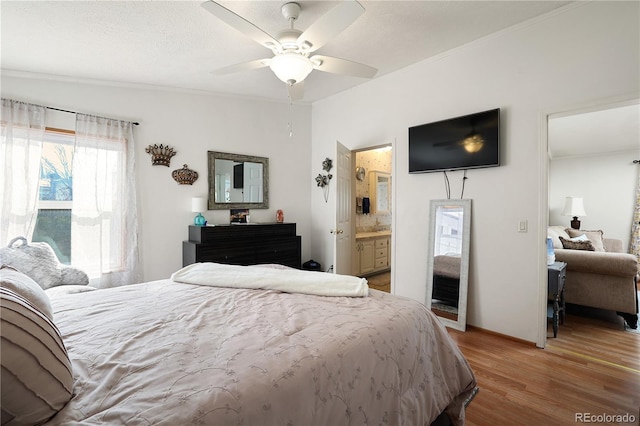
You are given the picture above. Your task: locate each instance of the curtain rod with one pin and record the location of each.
(135, 123)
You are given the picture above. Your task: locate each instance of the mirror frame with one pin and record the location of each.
(215, 155)
(461, 323)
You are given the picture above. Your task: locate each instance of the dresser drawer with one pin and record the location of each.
(243, 245)
(381, 252)
(381, 263)
(381, 243)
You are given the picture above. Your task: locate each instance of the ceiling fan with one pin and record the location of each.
(292, 48)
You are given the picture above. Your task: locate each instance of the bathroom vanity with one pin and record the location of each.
(373, 252)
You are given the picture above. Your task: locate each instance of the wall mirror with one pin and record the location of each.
(238, 181)
(380, 192)
(448, 261)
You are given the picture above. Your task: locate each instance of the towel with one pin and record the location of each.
(286, 280)
(365, 205)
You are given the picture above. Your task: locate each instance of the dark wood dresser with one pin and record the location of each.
(243, 244)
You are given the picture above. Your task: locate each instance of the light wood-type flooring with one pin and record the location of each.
(381, 281)
(591, 369)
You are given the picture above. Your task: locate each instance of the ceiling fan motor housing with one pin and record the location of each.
(289, 38)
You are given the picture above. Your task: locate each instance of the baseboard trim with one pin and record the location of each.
(503, 336)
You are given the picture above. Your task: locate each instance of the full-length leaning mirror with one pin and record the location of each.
(238, 181)
(448, 261)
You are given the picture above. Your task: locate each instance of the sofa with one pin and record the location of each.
(599, 274)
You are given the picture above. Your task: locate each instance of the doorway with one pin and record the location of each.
(372, 216)
(603, 139)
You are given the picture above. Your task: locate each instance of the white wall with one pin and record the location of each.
(193, 124)
(606, 182)
(584, 52)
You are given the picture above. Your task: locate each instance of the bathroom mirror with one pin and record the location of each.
(380, 192)
(448, 261)
(238, 181)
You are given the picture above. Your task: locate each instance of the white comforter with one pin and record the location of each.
(288, 280)
(166, 353)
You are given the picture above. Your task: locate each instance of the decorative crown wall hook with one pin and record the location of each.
(160, 154)
(184, 176)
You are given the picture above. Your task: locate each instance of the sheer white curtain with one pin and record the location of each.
(23, 127)
(104, 234)
(634, 242)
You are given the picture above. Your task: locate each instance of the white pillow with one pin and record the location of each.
(582, 237)
(36, 377)
(26, 287)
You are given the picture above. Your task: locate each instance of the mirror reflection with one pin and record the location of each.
(238, 181)
(380, 192)
(449, 260)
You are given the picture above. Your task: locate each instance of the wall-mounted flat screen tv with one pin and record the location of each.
(467, 142)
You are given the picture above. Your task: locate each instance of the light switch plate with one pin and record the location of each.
(523, 225)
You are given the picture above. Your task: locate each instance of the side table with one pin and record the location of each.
(556, 279)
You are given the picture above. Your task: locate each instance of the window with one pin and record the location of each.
(68, 221)
(74, 190)
(55, 193)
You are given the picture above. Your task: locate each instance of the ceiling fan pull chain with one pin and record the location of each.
(290, 117)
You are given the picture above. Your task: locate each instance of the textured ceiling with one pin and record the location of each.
(177, 43)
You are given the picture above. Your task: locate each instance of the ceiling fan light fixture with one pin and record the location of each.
(291, 67)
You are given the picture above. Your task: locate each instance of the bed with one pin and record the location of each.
(174, 353)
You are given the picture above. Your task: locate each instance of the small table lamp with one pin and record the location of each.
(574, 206)
(199, 205)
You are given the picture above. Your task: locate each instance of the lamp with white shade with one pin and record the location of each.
(574, 206)
(199, 205)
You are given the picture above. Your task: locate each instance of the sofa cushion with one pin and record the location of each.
(21, 284)
(37, 380)
(576, 244)
(596, 237)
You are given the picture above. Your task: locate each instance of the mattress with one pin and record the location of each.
(169, 353)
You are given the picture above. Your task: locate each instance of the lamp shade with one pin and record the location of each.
(574, 206)
(291, 67)
(199, 204)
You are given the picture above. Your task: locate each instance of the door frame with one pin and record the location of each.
(543, 214)
(394, 198)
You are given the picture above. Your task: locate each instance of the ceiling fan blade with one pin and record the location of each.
(329, 25)
(295, 91)
(245, 66)
(240, 24)
(342, 66)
